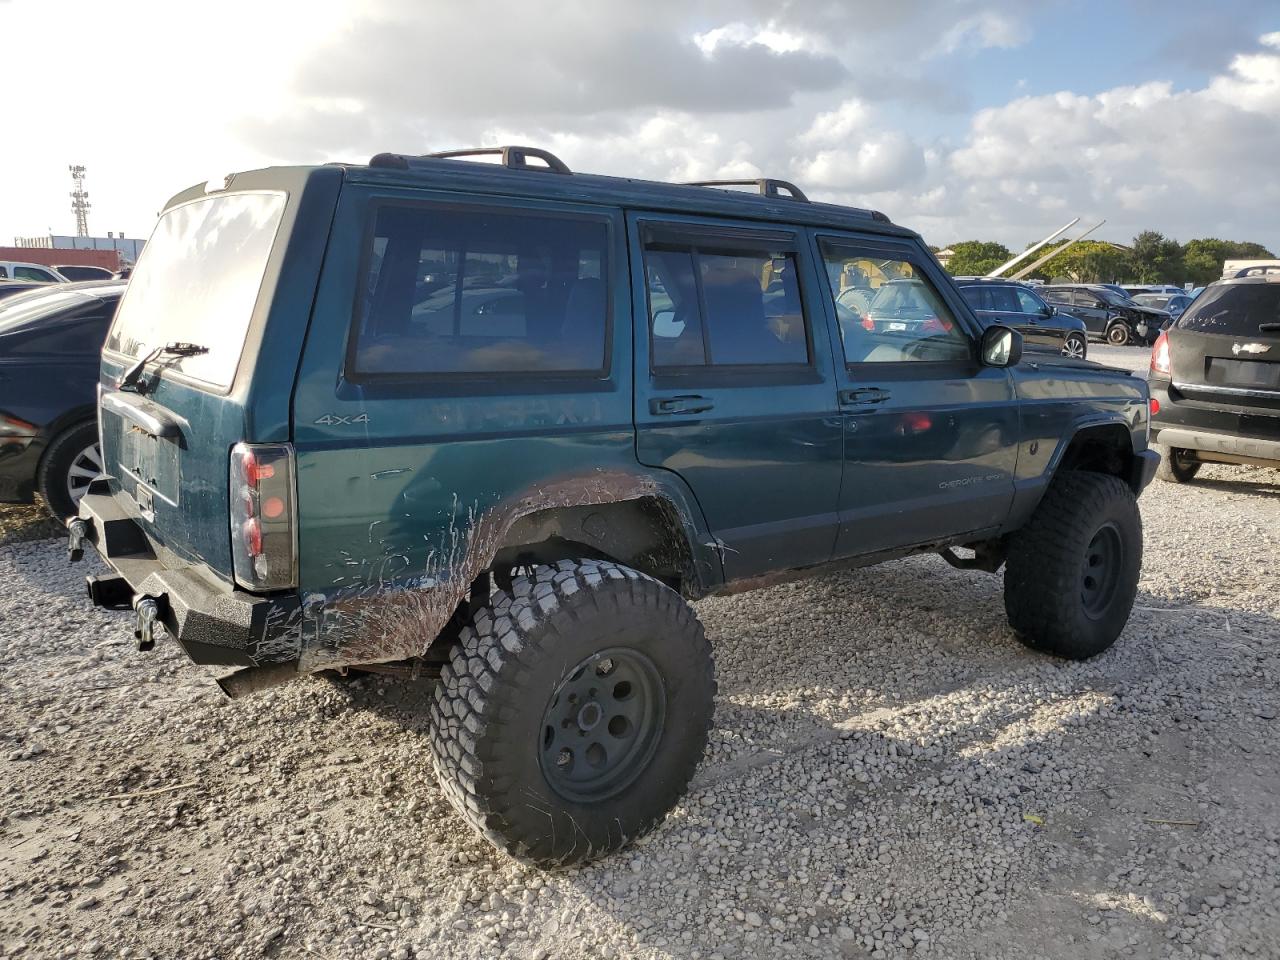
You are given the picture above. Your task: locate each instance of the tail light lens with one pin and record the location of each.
(1160, 362)
(868, 322)
(264, 542)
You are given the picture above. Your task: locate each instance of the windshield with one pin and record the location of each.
(1233, 309)
(197, 281)
(1115, 299)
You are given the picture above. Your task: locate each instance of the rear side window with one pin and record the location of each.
(31, 273)
(478, 292)
(712, 307)
(1003, 298)
(1234, 309)
(977, 297)
(75, 335)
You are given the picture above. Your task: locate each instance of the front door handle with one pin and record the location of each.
(692, 403)
(863, 395)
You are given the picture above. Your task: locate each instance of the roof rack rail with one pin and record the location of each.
(1262, 269)
(768, 187)
(513, 158)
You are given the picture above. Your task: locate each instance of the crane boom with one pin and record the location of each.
(1032, 249)
(1053, 253)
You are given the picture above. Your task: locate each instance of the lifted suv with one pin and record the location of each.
(504, 421)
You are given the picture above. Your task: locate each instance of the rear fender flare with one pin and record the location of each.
(397, 620)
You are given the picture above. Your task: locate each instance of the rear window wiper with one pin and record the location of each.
(132, 376)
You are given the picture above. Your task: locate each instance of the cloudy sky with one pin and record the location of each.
(961, 118)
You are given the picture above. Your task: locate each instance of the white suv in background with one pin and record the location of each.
(15, 270)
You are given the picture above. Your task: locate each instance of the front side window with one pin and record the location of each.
(31, 273)
(479, 292)
(1028, 302)
(889, 312)
(712, 307)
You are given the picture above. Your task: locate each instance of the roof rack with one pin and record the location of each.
(1263, 269)
(513, 158)
(768, 187)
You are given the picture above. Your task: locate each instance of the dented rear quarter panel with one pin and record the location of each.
(406, 488)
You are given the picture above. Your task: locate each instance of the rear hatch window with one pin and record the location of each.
(1235, 310)
(1220, 351)
(197, 281)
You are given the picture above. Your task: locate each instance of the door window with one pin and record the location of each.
(478, 292)
(1004, 299)
(976, 296)
(711, 307)
(902, 316)
(1028, 302)
(31, 273)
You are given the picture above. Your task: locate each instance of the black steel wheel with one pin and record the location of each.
(573, 711)
(1099, 573)
(602, 725)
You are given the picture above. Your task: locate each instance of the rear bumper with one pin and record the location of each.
(1210, 444)
(212, 621)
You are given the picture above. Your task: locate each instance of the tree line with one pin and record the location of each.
(1153, 258)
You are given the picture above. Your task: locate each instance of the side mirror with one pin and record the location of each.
(1050, 310)
(1001, 346)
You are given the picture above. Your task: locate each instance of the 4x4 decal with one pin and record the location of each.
(336, 420)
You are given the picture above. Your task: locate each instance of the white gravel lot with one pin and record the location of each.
(890, 774)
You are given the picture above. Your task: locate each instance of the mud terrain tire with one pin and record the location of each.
(1072, 571)
(538, 675)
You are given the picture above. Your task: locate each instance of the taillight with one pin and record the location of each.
(1160, 362)
(868, 323)
(264, 545)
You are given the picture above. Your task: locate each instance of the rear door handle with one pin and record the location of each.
(863, 395)
(660, 406)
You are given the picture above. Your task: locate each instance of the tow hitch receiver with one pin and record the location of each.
(147, 625)
(113, 593)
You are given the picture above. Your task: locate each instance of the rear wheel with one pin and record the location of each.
(1072, 571)
(71, 462)
(1175, 465)
(1075, 346)
(573, 711)
(1119, 334)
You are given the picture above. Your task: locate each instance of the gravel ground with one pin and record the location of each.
(890, 774)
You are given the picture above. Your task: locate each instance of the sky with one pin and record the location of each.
(963, 119)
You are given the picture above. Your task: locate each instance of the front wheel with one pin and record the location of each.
(1175, 465)
(573, 711)
(1075, 346)
(1072, 571)
(1119, 334)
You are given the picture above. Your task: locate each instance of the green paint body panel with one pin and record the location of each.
(406, 488)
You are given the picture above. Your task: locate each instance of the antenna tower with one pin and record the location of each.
(79, 201)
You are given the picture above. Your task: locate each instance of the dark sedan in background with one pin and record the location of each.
(1108, 315)
(1043, 326)
(50, 345)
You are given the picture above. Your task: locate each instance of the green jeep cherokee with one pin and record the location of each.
(500, 422)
